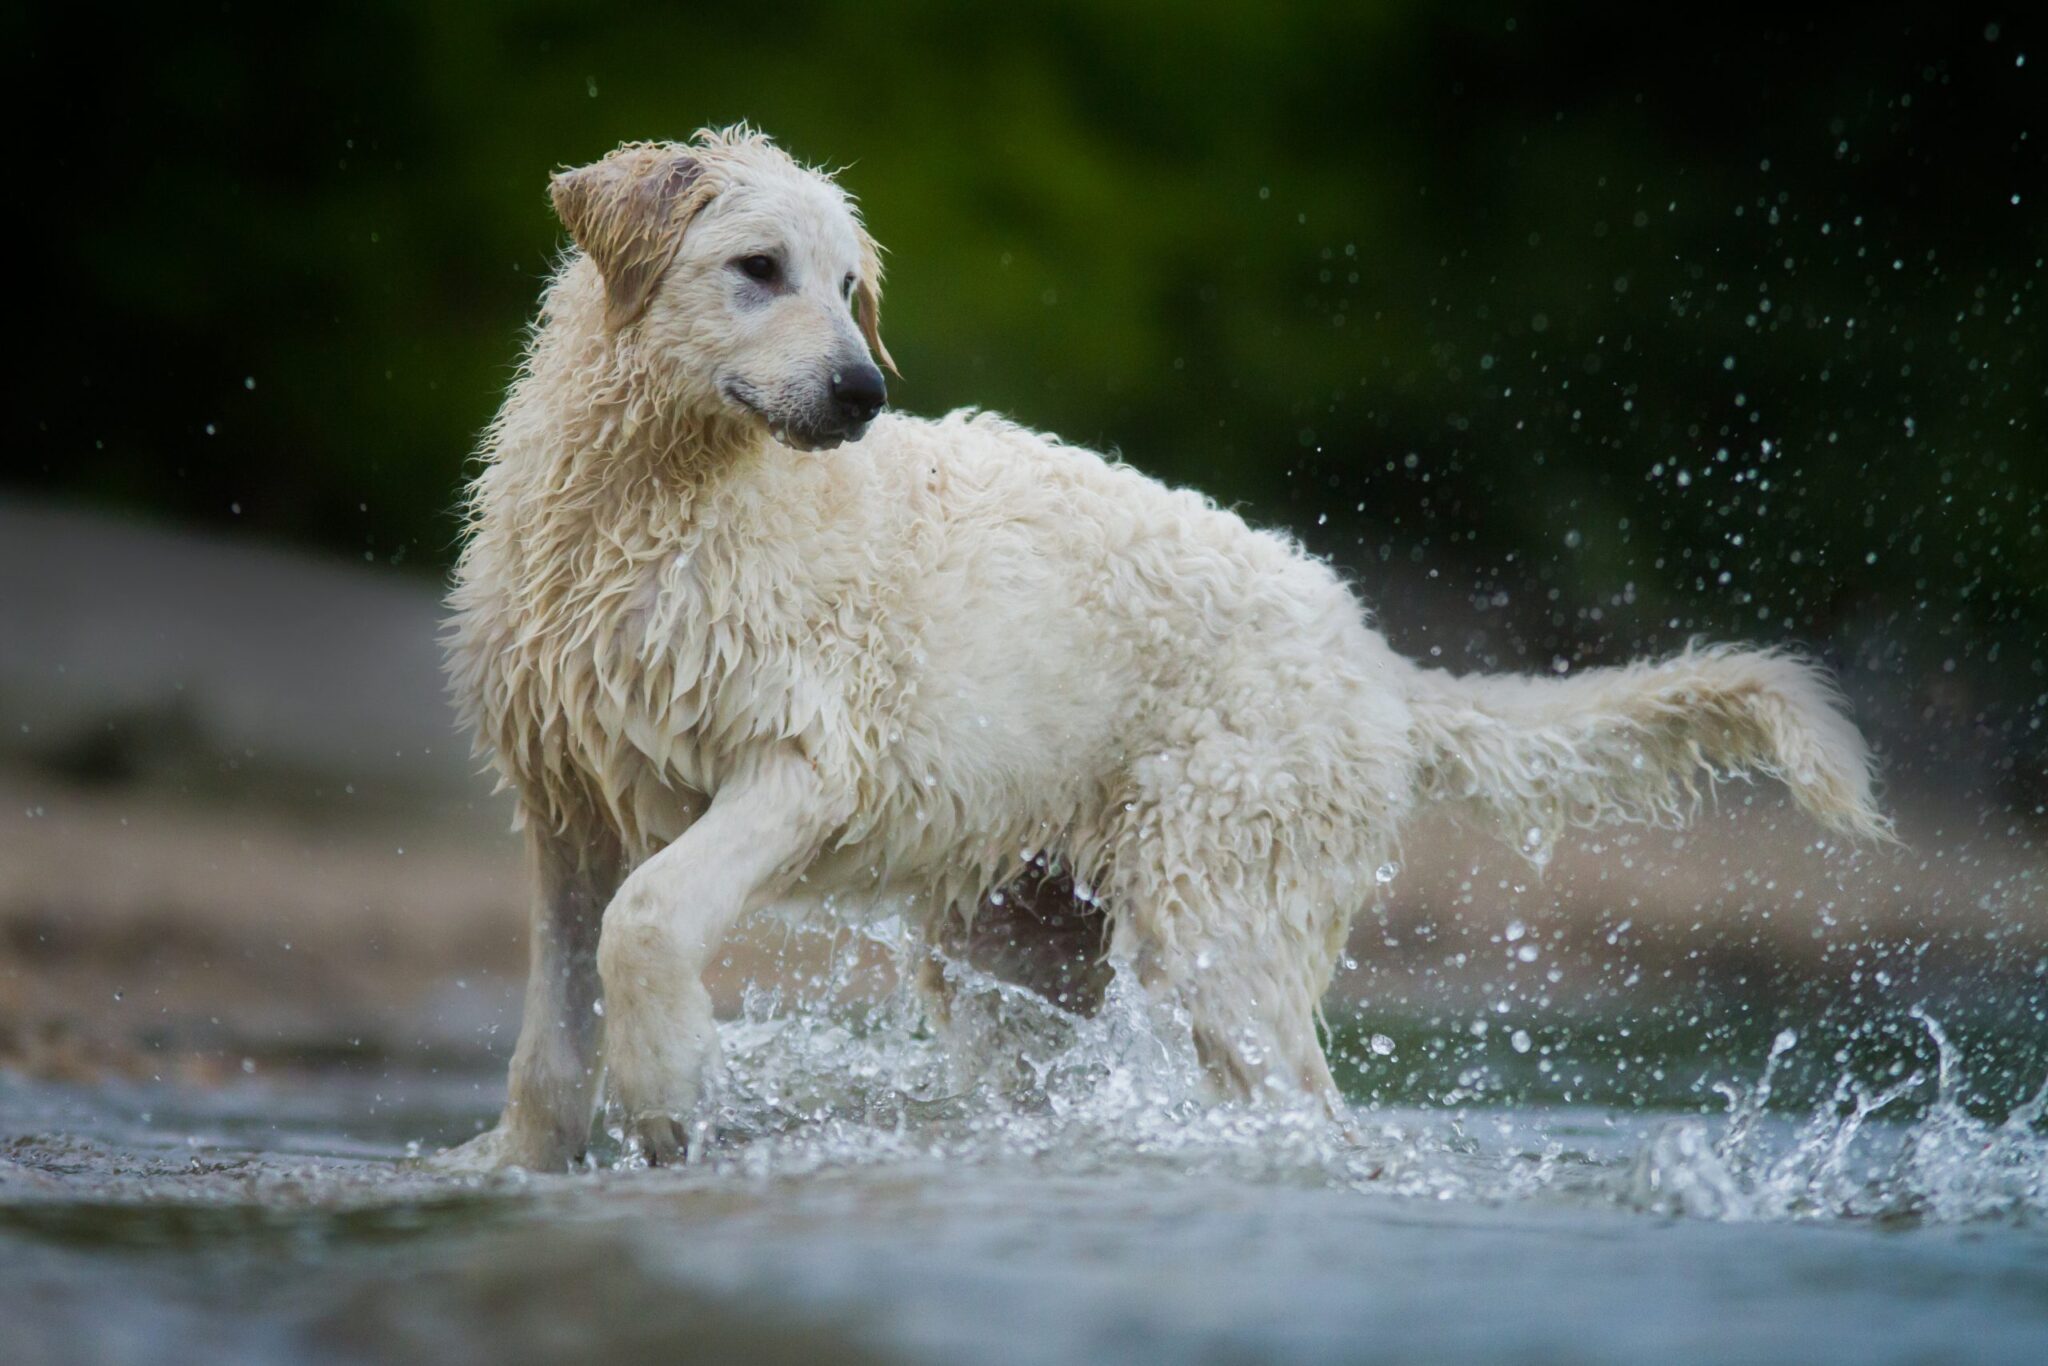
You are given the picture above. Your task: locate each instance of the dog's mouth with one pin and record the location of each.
(795, 435)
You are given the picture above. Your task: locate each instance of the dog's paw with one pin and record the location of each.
(656, 1139)
(497, 1150)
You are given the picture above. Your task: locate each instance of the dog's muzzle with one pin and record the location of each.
(854, 395)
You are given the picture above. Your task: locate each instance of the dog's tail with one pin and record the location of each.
(1640, 743)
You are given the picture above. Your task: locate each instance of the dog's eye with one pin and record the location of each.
(763, 268)
(846, 286)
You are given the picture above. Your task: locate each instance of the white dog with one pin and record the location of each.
(730, 636)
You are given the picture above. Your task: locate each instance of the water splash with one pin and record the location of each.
(1949, 1166)
(812, 1076)
(818, 1074)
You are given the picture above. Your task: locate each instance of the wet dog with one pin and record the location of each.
(731, 633)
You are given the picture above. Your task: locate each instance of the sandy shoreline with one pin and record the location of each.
(139, 929)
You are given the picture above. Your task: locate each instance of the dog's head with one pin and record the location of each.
(748, 280)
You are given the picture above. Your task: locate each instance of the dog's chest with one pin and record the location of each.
(641, 681)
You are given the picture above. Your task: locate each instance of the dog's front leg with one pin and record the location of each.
(553, 1081)
(762, 829)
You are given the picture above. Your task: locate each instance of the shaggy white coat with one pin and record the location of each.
(716, 671)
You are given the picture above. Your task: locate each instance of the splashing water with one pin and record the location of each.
(815, 1076)
(1045, 1188)
(1947, 1167)
(809, 1080)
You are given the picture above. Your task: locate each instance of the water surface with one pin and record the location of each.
(1854, 1198)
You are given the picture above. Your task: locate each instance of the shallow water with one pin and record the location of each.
(862, 1194)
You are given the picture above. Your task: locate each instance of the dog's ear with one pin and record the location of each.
(628, 213)
(867, 296)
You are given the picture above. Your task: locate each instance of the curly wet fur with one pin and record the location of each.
(1641, 743)
(960, 645)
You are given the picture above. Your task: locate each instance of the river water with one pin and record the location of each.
(1568, 1190)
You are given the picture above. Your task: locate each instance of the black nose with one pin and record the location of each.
(858, 393)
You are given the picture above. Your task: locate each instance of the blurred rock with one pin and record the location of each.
(136, 651)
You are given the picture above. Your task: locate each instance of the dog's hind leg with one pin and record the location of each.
(762, 829)
(553, 1083)
(1255, 1032)
(1244, 939)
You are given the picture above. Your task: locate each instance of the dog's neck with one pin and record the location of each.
(647, 437)
(597, 412)
(591, 453)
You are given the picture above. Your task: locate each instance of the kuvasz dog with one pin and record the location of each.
(732, 634)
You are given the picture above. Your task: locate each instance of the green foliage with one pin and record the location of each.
(1679, 323)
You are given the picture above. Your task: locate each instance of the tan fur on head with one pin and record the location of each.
(628, 213)
(868, 294)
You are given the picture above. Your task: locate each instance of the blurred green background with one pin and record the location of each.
(1569, 329)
